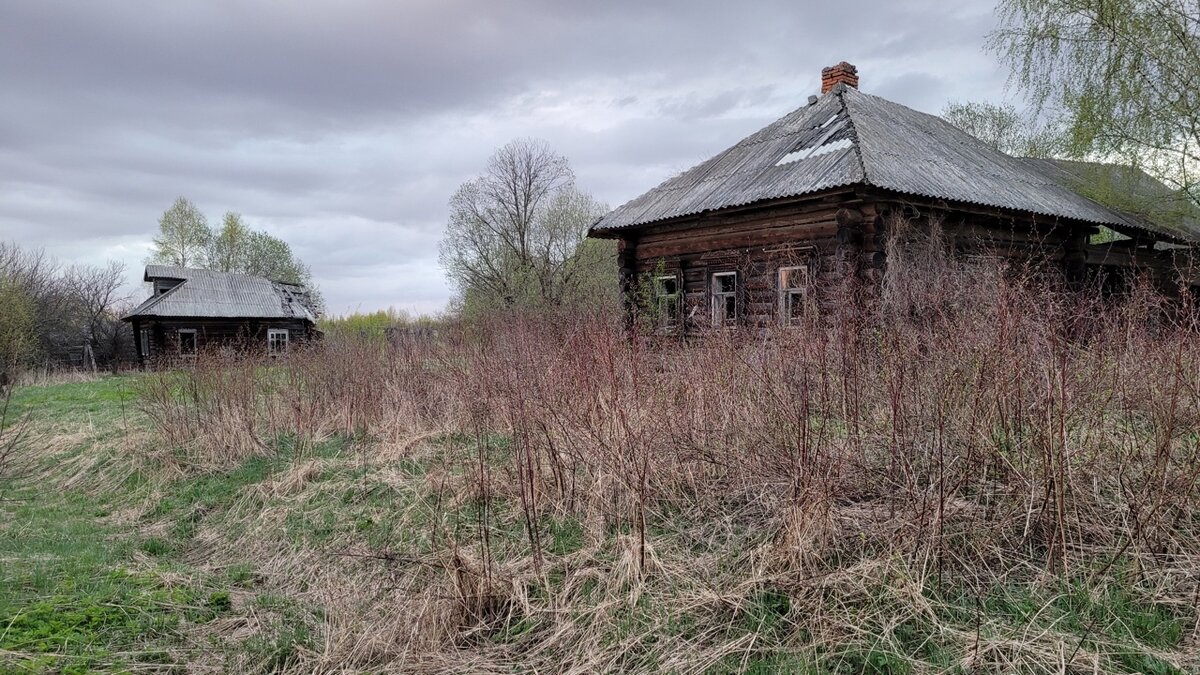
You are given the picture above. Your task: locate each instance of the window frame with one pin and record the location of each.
(718, 300)
(668, 307)
(179, 333)
(273, 333)
(788, 294)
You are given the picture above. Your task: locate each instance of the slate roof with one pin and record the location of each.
(224, 295)
(851, 138)
(1130, 191)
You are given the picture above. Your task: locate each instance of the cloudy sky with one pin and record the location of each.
(343, 127)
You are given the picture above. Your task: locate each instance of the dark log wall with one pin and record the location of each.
(244, 334)
(755, 245)
(844, 236)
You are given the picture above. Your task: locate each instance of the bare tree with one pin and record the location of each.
(96, 290)
(516, 234)
(37, 310)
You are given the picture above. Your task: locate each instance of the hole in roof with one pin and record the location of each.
(830, 136)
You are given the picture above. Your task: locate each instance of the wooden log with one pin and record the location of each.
(848, 218)
(849, 235)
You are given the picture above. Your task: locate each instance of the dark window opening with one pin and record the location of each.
(724, 299)
(667, 302)
(187, 342)
(793, 294)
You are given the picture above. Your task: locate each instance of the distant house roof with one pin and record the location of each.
(850, 138)
(209, 294)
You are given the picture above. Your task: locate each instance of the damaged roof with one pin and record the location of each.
(225, 295)
(849, 138)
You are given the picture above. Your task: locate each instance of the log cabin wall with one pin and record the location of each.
(755, 245)
(844, 235)
(243, 334)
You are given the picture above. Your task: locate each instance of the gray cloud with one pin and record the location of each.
(344, 127)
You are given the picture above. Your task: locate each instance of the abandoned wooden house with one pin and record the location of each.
(191, 310)
(735, 240)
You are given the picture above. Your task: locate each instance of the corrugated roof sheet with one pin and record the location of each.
(889, 146)
(1128, 190)
(209, 294)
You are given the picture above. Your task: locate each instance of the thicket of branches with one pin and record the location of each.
(53, 315)
(517, 237)
(883, 475)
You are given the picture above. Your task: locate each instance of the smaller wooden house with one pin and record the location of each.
(190, 310)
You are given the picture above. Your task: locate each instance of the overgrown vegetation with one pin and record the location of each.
(53, 316)
(380, 326)
(971, 470)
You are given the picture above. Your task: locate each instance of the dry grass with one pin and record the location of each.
(970, 469)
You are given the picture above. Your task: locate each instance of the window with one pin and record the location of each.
(277, 341)
(793, 293)
(187, 341)
(724, 299)
(144, 336)
(666, 301)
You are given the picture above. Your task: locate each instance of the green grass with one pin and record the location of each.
(74, 595)
(104, 398)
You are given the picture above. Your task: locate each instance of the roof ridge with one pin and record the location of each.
(151, 302)
(840, 90)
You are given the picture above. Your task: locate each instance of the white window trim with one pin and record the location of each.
(789, 294)
(717, 300)
(273, 332)
(668, 321)
(195, 342)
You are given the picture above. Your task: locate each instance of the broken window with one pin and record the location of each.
(187, 341)
(666, 301)
(793, 294)
(277, 341)
(724, 299)
(144, 337)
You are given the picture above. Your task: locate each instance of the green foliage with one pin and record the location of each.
(183, 237)
(373, 326)
(566, 536)
(228, 249)
(1122, 73)
(185, 240)
(18, 334)
(1004, 128)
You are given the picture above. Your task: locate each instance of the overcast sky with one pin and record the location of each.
(343, 127)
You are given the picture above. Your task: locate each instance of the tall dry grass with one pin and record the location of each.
(963, 426)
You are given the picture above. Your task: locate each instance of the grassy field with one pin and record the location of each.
(102, 567)
(118, 554)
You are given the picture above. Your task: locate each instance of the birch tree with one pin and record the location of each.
(1122, 73)
(183, 236)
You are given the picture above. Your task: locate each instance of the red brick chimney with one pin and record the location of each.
(841, 73)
